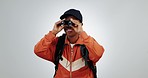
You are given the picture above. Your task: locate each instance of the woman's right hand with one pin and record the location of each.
(57, 27)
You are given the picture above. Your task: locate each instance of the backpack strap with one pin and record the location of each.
(59, 51)
(88, 62)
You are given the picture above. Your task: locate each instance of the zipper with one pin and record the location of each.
(71, 54)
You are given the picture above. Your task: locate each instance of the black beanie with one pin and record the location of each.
(73, 12)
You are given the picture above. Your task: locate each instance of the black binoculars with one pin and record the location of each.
(67, 22)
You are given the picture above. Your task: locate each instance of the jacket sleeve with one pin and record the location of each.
(95, 49)
(45, 48)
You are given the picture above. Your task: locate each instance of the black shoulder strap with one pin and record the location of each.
(59, 51)
(88, 62)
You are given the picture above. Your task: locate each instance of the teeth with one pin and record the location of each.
(69, 30)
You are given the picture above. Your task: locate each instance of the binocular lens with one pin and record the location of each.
(67, 22)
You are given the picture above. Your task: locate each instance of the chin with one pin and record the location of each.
(69, 34)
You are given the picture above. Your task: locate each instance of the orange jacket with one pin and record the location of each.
(73, 64)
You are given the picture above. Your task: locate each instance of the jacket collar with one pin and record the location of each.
(79, 41)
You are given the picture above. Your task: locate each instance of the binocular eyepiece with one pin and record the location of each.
(67, 22)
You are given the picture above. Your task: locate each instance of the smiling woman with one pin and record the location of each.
(84, 48)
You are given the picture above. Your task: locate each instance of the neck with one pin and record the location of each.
(73, 39)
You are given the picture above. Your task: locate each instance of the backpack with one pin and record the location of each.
(84, 52)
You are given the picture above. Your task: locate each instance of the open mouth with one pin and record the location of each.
(68, 29)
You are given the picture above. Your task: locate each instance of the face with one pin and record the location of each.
(69, 30)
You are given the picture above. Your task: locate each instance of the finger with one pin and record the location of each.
(63, 19)
(74, 21)
(58, 23)
(61, 26)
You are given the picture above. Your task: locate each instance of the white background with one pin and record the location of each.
(121, 26)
